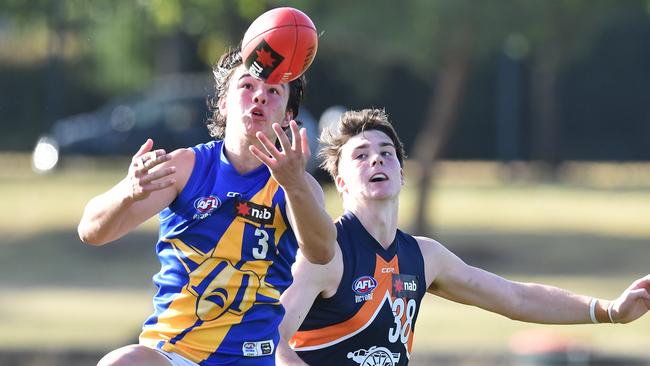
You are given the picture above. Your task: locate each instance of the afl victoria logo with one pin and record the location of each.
(364, 285)
(206, 204)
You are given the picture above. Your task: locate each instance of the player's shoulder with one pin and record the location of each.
(183, 162)
(430, 247)
(183, 154)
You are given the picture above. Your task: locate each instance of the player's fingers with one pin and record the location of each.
(264, 158)
(643, 282)
(146, 147)
(306, 151)
(268, 145)
(282, 137)
(153, 158)
(295, 133)
(161, 173)
(158, 185)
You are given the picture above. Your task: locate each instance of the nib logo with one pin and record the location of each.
(263, 61)
(252, 211)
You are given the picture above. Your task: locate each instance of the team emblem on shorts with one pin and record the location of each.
(375, 356)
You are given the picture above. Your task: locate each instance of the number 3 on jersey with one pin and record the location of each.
(262, 247)
(402, 329)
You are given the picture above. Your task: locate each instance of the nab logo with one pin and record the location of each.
(263, 60)
(364, 285)
(257, 213)
(405, 286)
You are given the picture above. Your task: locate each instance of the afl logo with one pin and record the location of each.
(206, 204)
(364, 285)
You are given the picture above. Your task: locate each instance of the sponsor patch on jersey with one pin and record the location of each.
(252, 211)
(205, 205)
(405, 286)
(363, 288)
(256, 349)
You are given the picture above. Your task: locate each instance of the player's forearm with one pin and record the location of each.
(285, 356)
(551, 305)
(103, 217)
(313, 227)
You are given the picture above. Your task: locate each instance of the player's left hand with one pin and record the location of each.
(286, 166)
(634, 302)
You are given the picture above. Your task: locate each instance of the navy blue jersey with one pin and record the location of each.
(371, 318)
(226, 250)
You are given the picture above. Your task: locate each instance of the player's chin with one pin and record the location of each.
(381, 194)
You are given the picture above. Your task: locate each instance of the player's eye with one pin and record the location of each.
(274, 91)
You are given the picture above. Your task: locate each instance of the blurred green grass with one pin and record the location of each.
(584, 236)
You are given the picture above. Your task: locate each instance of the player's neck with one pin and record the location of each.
(240, 157)
(378, 217)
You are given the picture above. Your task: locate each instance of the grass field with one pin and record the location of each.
(591, 238)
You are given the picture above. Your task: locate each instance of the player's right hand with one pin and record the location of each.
(146, 174)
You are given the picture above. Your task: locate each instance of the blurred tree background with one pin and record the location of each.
(508, 80)
(547, 83)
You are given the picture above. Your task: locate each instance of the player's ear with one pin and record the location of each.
(222, 106)
(340, 184)
(288, 116)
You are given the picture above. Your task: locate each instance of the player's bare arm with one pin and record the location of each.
(314, 230)
(310, 281)
(451, 278)
(153, 181)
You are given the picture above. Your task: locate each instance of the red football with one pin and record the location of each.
(279, 45)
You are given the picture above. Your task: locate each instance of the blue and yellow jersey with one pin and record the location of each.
(226, 250)
(370, 320)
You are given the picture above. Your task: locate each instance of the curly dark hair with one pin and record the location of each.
(351, 124)
(222, 72)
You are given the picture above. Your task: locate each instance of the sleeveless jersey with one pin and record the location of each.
(226, 250)
(370, 320)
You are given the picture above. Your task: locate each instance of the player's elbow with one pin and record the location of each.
(321, 255)
(88, 236)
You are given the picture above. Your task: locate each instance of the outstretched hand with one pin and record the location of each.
(145, 175)
(634, 302)
(287, 166)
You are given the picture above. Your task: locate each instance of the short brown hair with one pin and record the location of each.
(351, 124)
(222, 72)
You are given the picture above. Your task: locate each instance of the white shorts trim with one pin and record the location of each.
(175, 359)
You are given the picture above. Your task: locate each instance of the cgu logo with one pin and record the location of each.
(206, 204)
(364, 285)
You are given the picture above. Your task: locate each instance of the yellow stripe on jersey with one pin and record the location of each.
(213, 303)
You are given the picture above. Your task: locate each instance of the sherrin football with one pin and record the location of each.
(279, 45)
